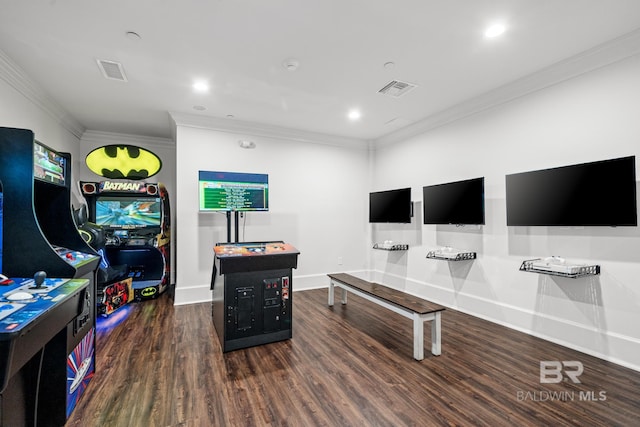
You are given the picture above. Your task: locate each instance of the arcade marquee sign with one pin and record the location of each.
(123, 162)
(130, 187)
(119, 187)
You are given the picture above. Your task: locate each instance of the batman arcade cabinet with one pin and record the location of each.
(136, 221)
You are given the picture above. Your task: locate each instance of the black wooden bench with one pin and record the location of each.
(415, 308)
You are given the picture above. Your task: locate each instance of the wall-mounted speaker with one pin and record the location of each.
(89, 188)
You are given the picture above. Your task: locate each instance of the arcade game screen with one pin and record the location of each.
(48, 165)
(128, 212)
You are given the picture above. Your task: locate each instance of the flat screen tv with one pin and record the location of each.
(601, 193)
(233, 191)
(48, 165)
(393, 206)
(459, 202)
(128, 212)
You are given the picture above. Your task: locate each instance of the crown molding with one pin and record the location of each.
(18, 79)
(590, 60)
(112, 138)
(263, 130)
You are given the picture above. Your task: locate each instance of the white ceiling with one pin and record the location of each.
(239, 46)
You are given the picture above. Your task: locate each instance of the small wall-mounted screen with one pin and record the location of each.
(392, 206)
(233, 191)
(128, 212)
(460, 202)
(48, 165)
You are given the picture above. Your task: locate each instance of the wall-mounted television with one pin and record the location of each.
(128, 212)
(601, 193)
(48, 165)
(393, 206)
(459, 202)
(233, 191)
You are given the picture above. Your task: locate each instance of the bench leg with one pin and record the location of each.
(418, 337)
(331, 291)
(436, 333)
(332, 294)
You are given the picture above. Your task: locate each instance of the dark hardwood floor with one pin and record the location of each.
(345, 366)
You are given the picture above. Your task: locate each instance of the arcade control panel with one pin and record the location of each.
(22, 300)
(33, 311)
(74, 258)
(253, 249)
(255, 256)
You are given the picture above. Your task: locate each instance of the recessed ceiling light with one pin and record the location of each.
(494, 30)
(354, 115)
(201, 86)
(389, 65)
(246, 144)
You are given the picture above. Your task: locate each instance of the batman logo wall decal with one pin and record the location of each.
(123, 162)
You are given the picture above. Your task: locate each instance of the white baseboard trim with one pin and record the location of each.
(202, 293)
(192, 295)
(518, 317)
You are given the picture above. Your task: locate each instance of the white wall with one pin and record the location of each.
(317, 202)
(23, 105)
(591, 117)
(16, 111)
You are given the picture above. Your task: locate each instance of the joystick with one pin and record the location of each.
(38, 278)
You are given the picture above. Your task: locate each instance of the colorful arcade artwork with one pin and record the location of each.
(115, 295)
(80, 370)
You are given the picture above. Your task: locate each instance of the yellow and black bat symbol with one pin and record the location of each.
(123, 162)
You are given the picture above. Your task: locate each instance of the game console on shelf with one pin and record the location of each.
(557, 264)
(447, 252)
(390, 245)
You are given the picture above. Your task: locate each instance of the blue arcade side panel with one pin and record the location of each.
(35, 320)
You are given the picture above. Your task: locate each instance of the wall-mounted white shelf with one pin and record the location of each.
(391, 246)
(561, 269)
(451, 255)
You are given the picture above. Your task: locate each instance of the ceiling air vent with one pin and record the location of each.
(396, 88)
(112, 70)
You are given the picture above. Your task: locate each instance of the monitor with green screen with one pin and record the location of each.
(233, 191)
